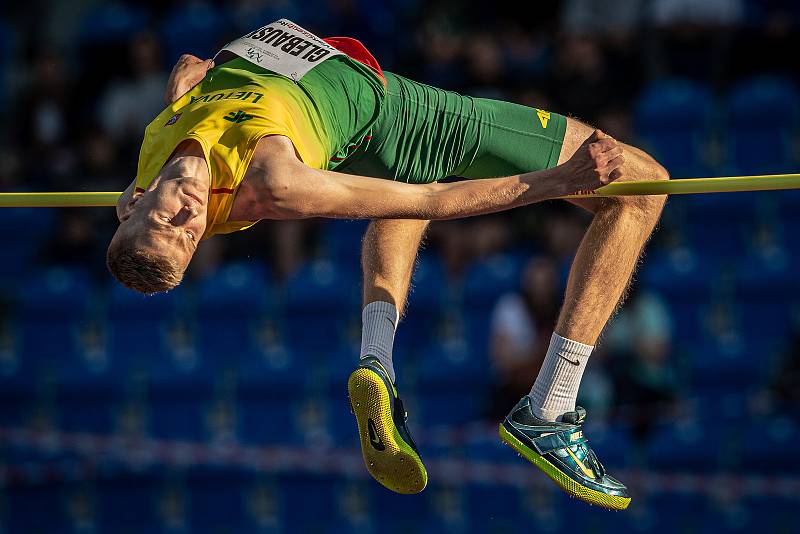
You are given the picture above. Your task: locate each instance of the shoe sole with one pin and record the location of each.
(397, 467)
(612, 502)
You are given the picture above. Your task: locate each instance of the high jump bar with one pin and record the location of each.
(684, 186)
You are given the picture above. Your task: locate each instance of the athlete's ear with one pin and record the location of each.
(127, 208)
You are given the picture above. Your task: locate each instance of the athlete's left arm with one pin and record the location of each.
(187, 73)
(282, 187)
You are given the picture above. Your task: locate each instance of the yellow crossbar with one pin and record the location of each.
(686, 186)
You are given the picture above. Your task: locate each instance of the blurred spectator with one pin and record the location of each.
(608, 18)
(782, 393)
(128, 105)
(484, 64)
(639, 343)
(521, 325)
(440, 47)
(100, 167)
(581, 80)
(74, 240)
(706, 13)
(45, 118)
(563, 231)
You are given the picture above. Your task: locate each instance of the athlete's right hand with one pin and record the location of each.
(187, 73)
(597, 162)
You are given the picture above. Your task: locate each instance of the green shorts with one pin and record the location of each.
(424, 134)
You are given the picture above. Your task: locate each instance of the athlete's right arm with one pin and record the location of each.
(289, 189)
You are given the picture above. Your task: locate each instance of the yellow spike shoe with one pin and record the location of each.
(389, 452)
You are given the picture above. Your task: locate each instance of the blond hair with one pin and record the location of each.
(142, 270)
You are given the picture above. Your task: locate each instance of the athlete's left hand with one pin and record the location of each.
(187, 73)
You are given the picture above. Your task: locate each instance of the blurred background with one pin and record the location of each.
(221, 407)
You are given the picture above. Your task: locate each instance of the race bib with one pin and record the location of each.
(283, 47)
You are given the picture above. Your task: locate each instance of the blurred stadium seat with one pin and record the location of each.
(674, 119)
(763, 117)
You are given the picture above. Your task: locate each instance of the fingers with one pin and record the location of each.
(189, 59)
(612, 170)
(597, 135)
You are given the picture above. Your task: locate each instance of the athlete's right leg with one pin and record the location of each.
(388, 253)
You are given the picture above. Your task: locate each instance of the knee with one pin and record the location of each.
(647, 205)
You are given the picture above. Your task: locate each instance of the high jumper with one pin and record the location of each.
(284, 125)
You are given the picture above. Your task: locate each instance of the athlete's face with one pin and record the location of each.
(169, 217)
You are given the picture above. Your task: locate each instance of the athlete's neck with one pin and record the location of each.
(188, 164)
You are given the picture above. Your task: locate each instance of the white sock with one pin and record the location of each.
(556, 387)
(379, 322)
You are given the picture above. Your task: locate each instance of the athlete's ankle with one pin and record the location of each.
(379, 322)
(556, 387)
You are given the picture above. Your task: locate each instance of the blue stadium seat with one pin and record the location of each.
(87, 415)
(113, 22)
(762, 119)
(272, 371)
(787, 202)
(488, 279)
(129, 503)
(267, 420)
(485, 282)
(449, 408)
(415, 508)
(341, 240)
(230, 305)
(448, 510)
(673, 118)
(140, 326)
(493, 507)
(719, 367)
(429, 294)
(684, 448)
(671, 512)
(197, 28)
(56, 302)
(20, 374)
(453, 364)
(184, 419)
(717, 225)
(764, 450)
(299, 491)
(239, 288)
(686, 281)
(762, 279)
(24, 505)
(217, 500)
(186, 372)
(486, 447)
(24, 244)
(321, 301)
(764, 513)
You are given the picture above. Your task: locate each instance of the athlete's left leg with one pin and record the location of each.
(546, 425)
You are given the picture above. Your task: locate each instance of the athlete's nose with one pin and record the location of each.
(186, 214)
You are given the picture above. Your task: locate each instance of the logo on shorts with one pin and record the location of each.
(173, 119)
(544, 117)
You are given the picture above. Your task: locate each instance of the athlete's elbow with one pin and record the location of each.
(277, 199)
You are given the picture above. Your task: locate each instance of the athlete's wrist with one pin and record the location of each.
(546, 184)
